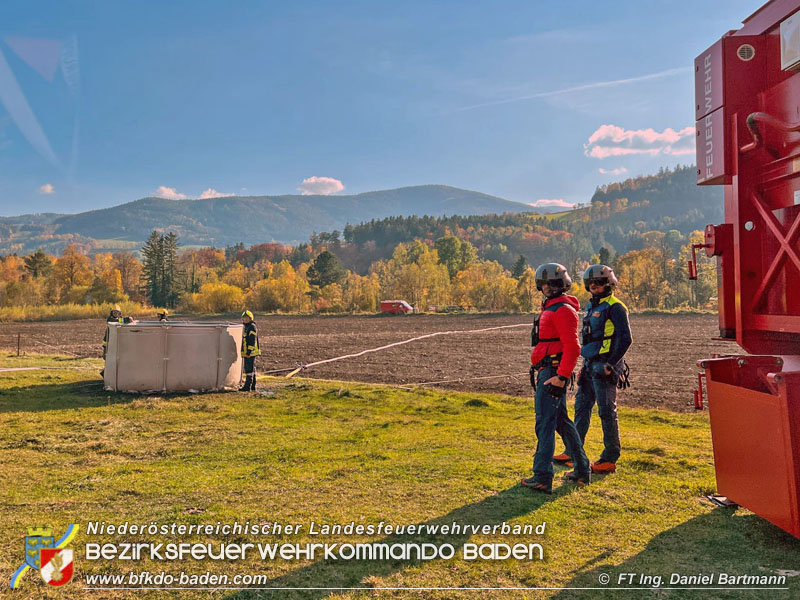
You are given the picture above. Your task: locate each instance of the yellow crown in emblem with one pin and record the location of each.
(42, 530)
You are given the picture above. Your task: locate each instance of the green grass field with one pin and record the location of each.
(334, 452)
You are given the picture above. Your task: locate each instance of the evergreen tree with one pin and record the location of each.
(38, 264)
(604, 256)
(172, 273)
(232, 251)
(160, 270)
(519, 268)
(153, 267)
(325, 270)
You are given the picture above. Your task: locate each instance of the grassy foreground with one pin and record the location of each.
(329, 452)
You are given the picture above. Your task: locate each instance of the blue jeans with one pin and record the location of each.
(594, 386)
(551, 415)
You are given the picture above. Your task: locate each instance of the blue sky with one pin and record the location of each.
(105, 102)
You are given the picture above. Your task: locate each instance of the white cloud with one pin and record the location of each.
(47, 188)
(611, 140)
(212, 193)
(323, 186)
(617, 171)
(559, 202)
(169, 193)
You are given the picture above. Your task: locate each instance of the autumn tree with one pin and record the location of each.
(640, 278)
(237, 275)
(486, 286)
(361, 292)
(414, 274)
(130, 270)
(329, 298)
(527, 293)
(106, 285)
(215, 298)
(72, 275)
(11, 268)
(285, 289)
(455, 253)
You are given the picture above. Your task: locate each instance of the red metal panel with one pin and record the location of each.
(741, 59)
(746, 428)
(712, 166)
(755, 407)
(708, 81)
(756, 437)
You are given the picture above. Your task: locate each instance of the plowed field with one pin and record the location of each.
(662, 359)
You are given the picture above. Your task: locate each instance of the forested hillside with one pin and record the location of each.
(620, 217)
(644, 227)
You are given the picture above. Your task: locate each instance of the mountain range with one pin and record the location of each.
(617, 215)
(228, 220)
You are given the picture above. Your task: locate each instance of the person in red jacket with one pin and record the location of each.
(553, 358)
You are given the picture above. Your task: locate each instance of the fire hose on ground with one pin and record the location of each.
(296, 370)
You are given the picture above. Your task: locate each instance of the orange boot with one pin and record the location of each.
(602, 466)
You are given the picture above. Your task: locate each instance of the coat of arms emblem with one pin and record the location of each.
(51, 557)
(37, 539)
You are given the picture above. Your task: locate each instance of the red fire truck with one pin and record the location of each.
(747, 103)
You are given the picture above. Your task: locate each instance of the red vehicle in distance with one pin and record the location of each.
(396, 307)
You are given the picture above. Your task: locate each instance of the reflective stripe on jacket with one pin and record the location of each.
(250, 341)
(601, 334)
(111, 320)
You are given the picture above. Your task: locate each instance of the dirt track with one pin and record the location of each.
(662, 359)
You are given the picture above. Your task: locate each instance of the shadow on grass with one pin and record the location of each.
(40, 397)
(338, 575)
(713, 543)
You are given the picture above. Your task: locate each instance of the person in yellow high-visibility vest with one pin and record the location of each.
(606, 339)
(249, 351)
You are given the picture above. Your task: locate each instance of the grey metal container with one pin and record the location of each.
(150, 356)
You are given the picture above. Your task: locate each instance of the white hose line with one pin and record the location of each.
(414, 339)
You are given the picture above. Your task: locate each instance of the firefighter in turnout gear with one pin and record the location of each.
(249, 351)
(606, 337)
(553, 358)
(115, 316)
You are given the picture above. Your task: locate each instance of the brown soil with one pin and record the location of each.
(663, 357)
